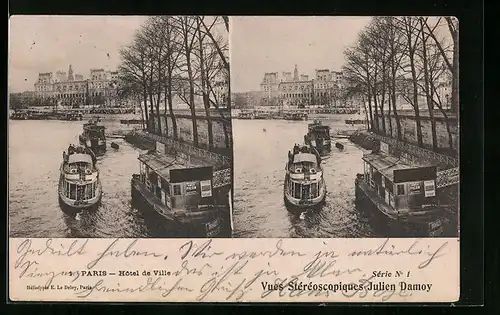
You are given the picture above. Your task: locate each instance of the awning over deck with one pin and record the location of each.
(79, 158)
(304, 157)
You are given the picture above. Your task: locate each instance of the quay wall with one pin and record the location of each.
(409, 130)
(219, 120)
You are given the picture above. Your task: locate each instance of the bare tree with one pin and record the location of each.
(427, 87)
(452, 24)
(133, 71)
(411, 31)
(186, 26)
(358, 71)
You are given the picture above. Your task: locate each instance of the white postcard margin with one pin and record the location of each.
(235, 270)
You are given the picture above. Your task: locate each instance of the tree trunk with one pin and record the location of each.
(382, 105)
(389, 112)
(372, 126)
(428, 93)
(204, 88)
(411, 53)
(191, 85)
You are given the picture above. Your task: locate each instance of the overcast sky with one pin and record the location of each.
(52, 43)
(276, 44)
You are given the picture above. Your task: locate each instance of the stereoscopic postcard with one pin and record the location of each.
(233, 159)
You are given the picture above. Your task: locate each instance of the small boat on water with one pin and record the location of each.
(79, 183)
(115, 145)
(304, 185)
(94, 137)
(339, 146)
(19, 116)
(318, 136)
(260, 115)
(296, 116)
(245, 115)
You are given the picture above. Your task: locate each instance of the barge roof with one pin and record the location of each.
(162, 163)
(387, 164)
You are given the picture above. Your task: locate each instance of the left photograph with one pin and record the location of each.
(119, 127)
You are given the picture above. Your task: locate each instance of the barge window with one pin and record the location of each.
(401, 189)
(177, 190)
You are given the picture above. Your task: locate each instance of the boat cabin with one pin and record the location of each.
(93, 130)
(318, 130)
(305, 174)
(179, 185)
(403, 187)
(80, 175)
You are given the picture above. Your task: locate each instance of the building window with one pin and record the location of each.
(401, 189)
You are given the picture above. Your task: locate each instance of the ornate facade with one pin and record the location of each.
(299, 90)
(73, 89)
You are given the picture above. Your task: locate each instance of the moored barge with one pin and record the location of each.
(318, 136)
(403, 196)
(304, 185)
(79, 183)
(180, 194)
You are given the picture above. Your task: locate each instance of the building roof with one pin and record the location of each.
(79, 158)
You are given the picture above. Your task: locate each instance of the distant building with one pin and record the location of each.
(297, 89)
(73, 89)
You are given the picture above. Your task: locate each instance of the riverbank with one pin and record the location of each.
(365, 140)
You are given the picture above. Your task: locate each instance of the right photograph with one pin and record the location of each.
(345, 126)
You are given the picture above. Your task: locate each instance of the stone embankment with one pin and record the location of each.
(139, 140)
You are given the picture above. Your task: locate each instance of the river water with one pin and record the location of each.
(260, 155)
(35, 154)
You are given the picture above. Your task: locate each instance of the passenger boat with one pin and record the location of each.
(79, 182)
(94, 137)
(295, 116)
(19, 116)
(260, 115)
(304, 185)
(180, 195)
(318, 136)
(246, 115)
(355, 121)
(402, 195)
